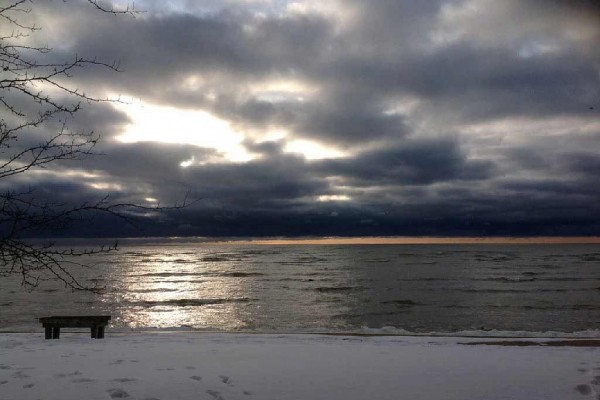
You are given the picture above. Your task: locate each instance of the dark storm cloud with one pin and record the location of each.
(452, 114)
(413, 162)
(575, 156)
(350, 117)
(493, 84)
(584, 163)
(590, 8)
(165, 47)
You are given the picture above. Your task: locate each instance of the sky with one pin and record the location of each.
(337, 118)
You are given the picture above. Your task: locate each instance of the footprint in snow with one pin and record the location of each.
(225, 379)
(585, 390)
(124, 380)
(117, 394)
(66, 375)
(196, 377)
(215, 395)
(20, 375)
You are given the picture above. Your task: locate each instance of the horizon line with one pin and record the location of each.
(339, 240)
(421, 240)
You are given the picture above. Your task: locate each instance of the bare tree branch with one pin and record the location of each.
(35, 93)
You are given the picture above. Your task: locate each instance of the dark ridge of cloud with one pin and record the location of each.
(278, 206)
(403, 26)
(349, 117)
(576, 191)
(90, 116)
(414, 221)
(149, 160)
(166, 46)
(277, 195)
(256, 185)
(268, 148)
(345, 118)
(572, 160)
(572, 6)
(482, 84)
(98, 117)
(411, 162)
(583, 163)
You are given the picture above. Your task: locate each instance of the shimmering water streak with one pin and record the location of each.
(415, 288)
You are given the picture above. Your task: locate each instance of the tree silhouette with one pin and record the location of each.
(35, 98)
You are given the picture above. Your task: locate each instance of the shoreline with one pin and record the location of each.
(519, 341)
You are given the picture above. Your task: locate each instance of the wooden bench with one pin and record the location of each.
(95, 322)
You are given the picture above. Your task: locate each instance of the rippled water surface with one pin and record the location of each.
(415, 288)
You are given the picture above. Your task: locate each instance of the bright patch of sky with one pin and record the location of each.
(283, 91)
(533, 48)
(204, 6)
(153, 123)
(334, 197)
(163, 124)
(312, 150)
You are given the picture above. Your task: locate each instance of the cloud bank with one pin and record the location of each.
(472, 118)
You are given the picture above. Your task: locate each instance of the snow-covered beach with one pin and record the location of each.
(192, 365)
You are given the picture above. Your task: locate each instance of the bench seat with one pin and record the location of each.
(96, 323)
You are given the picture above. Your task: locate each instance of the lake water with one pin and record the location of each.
(445, 289)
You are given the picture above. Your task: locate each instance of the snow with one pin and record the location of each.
(192, 365)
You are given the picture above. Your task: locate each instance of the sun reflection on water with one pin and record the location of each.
(183, 290)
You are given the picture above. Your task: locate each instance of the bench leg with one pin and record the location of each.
(94, 330)
(48, 332)
(100, 334)
(56, 332)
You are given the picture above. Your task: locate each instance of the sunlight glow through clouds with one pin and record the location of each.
(281, 90)
(106, 186)
(152, 123)
(312, 150)
(334, 197)
(285, 85)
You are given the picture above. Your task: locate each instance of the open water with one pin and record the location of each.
(521, 290)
